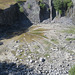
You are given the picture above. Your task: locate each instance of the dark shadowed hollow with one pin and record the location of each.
(14, 23)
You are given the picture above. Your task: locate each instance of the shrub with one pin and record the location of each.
(57, 4)
(72, 71)
(42, 5)
(60, 11)
(41, 1)
(60, 5)
(67, 3)
(19, 4)
(29, 6)
(21, 9)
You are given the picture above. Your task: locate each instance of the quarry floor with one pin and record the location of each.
(45, 49)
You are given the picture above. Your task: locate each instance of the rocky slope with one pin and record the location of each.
(46, 49)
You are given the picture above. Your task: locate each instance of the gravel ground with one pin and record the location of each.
(52, 53)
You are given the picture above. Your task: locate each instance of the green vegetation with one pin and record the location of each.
(36, 47)
(60, 11)
(61, 5)
(29, 6)
(42, 5)
(67, 3)
(33, 33)
(68, 39)
(55, 41)
(72, 71)
(57, 4)
(21, 9)
(47, 44)
(71, 52)
(19, 4)
(19, 0)
(46, 55)
(70, 30)
(41, 1)
(41, 29)
(13, 52)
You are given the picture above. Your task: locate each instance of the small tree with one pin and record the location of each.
(57, 5)
(67, 4)
(60, 5)
(19, 4)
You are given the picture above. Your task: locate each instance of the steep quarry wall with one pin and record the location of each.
(33, 11)
(9, 15)
(73, 14)
(73, 7)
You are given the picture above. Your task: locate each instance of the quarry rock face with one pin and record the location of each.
(35, 12)
(9, 15)
(73, 19)
(45, 12)
(32, 11)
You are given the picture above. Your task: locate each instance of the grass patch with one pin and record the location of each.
(71, 30)
(55, 41)
(13, 52)
(36, 47)
(20, 0)
(29, 52)
(44, 36)
(68, 39)
(37, 33)
(41, 29)
(72, 71)
(32, 34)
(47, 42)
(36, 52)
(33, 27)
(6, 3)
(70, 51)
(46, 55)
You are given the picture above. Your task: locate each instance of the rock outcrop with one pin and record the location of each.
(73, 14)
(32, 10)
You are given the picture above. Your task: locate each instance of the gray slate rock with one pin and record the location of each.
(32, 11)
